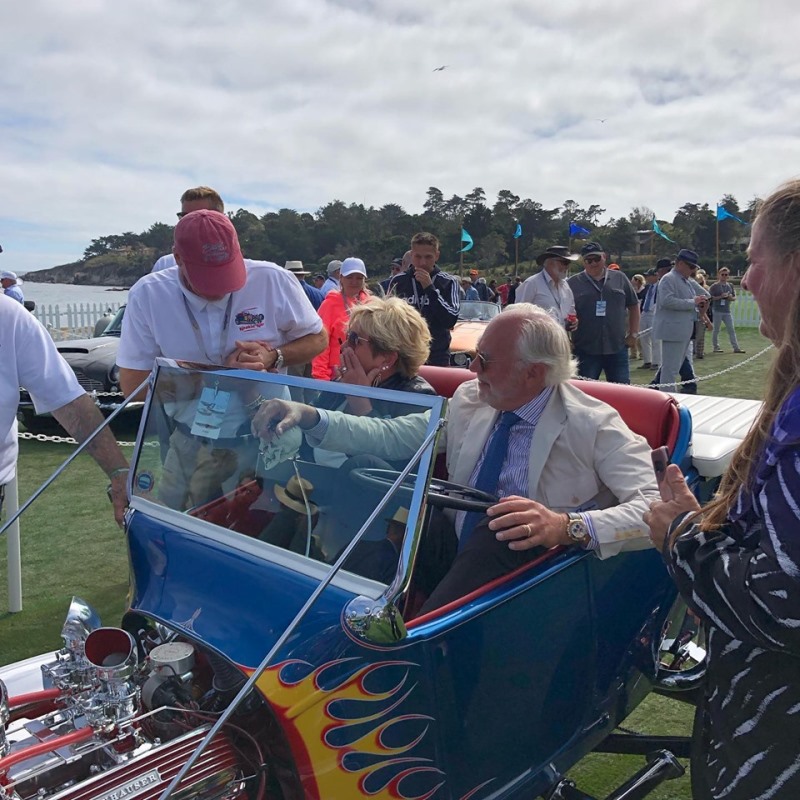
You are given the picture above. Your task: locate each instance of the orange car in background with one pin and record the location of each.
(472, 320)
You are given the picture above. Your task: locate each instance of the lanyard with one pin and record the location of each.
(598, 286)
(556, 295)
(198, 336)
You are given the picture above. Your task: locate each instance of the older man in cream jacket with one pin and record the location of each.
(565, 466)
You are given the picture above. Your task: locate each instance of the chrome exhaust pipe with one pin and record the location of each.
(662, 766)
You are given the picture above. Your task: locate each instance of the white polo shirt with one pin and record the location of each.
(165, 262)
(271, 306)
(541, 290)
(28, 358)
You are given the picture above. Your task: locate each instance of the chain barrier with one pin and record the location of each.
(42, 437)
(698, 378)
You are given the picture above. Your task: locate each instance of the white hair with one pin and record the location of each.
(543, 340)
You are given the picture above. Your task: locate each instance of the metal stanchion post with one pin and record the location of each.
(13, 548)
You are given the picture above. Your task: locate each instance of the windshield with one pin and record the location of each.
(292, 494)
(115, 326)
(474, 310)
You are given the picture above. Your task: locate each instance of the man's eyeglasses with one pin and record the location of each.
(353, 339)
(181, 214)
(482, 360)
(592, 259)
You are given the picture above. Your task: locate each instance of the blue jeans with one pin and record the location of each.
(615, 365)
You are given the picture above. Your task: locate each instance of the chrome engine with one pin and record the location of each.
(117, 717)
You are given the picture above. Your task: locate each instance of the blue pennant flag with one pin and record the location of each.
(518, 231)
(723, 213)
(657, 229)
(576, 230)
(466, 240)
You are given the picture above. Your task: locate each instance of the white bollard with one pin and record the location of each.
(14, 552)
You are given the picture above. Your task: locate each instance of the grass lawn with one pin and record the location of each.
(70, 545)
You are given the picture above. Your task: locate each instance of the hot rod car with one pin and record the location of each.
(273, 646)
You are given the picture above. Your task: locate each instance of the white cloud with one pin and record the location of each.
(110, 110)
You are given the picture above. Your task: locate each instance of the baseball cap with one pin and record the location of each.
(8, 275)
(333, 266)
(352, 265)
(591, 247)
(208, 247)
(664, 263)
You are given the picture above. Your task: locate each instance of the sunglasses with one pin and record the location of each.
(353, 339)
(482, 360)
(592, 259)
(181, 214)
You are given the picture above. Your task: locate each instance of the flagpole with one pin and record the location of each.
(717, 239)
(516, 256)
(652, 244)
(461, 249)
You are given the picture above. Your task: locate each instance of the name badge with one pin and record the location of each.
(211, 410)
(723, 304)
(600, 308)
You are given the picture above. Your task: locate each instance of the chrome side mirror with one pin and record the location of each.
(377, 621)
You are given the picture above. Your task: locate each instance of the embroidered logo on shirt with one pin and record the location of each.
(248, 320)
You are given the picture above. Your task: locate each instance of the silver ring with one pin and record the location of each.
(529, 530)
(343, 370)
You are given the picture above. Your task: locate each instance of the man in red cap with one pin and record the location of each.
(215, 308)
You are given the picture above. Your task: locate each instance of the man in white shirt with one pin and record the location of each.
(215, 308)
(332, 281)
(30, 359)
(549, 289)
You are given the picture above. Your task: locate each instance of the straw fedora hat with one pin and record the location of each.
(292, 495)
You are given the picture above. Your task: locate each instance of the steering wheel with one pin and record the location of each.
(441, 494)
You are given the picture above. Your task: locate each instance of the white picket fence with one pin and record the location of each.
(744, 310)
(72, 320)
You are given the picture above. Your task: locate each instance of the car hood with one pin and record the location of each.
(465, 336)
(88, 345)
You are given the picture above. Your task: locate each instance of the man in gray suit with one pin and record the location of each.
(679, 300)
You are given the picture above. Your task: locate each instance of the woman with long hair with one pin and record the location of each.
(335, 313)
(737, 560)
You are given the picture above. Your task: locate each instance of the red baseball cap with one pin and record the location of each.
(208, 247)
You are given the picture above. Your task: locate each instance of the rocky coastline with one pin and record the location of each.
(117, 270)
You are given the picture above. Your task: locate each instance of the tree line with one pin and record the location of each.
(378, 235)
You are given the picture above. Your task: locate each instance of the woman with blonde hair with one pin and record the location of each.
(737, 561)
(386, 343)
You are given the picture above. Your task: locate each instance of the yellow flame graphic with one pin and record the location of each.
(348, 739)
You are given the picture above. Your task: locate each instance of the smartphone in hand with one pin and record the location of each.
(660, 458)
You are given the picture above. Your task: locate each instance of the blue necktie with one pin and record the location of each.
(648, 298)
(489, 472)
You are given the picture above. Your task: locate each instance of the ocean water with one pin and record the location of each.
(64, 294)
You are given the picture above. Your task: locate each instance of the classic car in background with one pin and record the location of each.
(256, 614)
(94, 362)
(472, 319)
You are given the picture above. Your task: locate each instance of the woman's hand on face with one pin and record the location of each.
(676, 499)
(351, 370)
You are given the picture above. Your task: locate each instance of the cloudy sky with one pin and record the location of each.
(109, 109)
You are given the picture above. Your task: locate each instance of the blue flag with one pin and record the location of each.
(657, 229)
(466, 240)
(723, 213)
(576, 230)
(518, 231)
